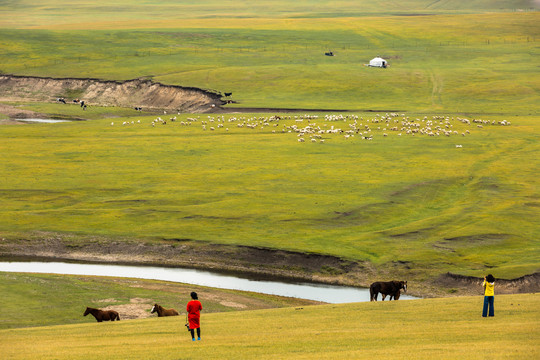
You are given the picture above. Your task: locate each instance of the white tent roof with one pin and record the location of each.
(378, 61)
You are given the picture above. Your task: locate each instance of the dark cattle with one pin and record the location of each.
(102, 315)
(392, 288)
(162, 311)
(228, 94)
(329, 53)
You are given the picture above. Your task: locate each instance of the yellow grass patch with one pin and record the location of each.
(417, 329)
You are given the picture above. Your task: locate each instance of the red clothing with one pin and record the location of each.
(194, 315)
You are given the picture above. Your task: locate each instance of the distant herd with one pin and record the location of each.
(388, 288)
(320, 128)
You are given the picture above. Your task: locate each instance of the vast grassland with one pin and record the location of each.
(426, 329)
(413, 199)
(411, 206)
(476, 62)
(35, 13)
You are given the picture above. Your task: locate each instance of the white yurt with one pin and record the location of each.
(378, 62)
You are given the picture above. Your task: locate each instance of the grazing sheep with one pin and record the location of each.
(316, 127)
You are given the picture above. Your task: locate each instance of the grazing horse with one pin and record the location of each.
(392, 288)
(102, 315)
(396, 295)
(162, 311)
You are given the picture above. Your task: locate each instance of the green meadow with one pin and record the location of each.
(448, 328)
(459, 56)
(405, 205)
(394, 200)
(62, 299)
(416, 200)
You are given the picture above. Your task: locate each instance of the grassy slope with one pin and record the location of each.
(32, 13)
(466, 63)
(426, 329)
(413, 199)
(61, 299)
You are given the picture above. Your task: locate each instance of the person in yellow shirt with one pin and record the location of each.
(489, 295)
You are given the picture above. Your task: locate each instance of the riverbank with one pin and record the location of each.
(67, 296)
(256, 262)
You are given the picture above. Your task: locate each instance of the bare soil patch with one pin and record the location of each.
(525, 284)
(136, 309)
(129, 94)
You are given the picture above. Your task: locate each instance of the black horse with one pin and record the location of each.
(392, 288)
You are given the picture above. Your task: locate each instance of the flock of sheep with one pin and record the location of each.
(318, 129)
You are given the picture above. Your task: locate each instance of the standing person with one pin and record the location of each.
(489, 295)
(194, 308)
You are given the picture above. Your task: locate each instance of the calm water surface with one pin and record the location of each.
(51, 121)
(302, 290)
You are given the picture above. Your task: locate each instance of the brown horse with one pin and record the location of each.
(392, 288)
(162, 311)
(102, 315)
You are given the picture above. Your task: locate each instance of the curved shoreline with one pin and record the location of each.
(245, 261)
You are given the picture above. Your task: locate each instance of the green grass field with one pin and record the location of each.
(449, 328)
(61, 299)
(413, 199)
(412, 206)
(460, 60)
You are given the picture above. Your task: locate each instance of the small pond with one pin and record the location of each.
(302, 290)
(51, 121)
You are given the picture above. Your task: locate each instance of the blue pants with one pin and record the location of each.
(488, 303)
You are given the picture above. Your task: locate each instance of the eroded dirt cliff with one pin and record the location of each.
(132, 93)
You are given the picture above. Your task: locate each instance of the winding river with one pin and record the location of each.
(303, 290)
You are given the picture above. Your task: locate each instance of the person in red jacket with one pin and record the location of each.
(193, 309)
